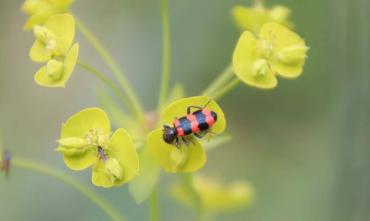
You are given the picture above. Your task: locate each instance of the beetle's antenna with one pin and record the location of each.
(208, 102)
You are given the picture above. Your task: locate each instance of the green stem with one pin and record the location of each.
(225, 76)
(187, 180)
(104, 79)
(166, 54)
(153, 206)
(100, 202)
(258, 3)
(114, 67)
(226, 89)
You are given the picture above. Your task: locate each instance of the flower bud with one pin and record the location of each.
(74, 142)
(280, 13)
(260, 68)
(54, 69)
(113, 169)
(43, 34)
(293, 54)
(31, 6)
(72, 146)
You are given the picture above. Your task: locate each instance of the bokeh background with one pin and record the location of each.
(305, 146)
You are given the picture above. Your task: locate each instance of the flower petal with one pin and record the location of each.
(289, 49)
(100, 177)
(43, 79)
(250, 19)
(122, 148)
(81, 160)
(81, 123)
(184, 159)
(39, 53)
(63, 26)
(37, 19)
(178, 109)
(253, 18)
(70, 62)
(143, 185)
(245, 58)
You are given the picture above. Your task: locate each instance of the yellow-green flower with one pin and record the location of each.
(54, 38)
(87, 141)
(216, 197)
(277, 51)
(40, 10)
(186, 158)
(253, 18)
(57, 71)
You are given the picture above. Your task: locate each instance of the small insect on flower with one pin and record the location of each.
(197, 123)
(5, 163)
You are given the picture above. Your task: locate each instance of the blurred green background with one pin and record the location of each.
(305, 145)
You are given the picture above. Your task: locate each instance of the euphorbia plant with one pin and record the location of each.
(137, 151)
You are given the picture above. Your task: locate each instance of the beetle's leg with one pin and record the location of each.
(177, 143)
(188, 110)
(211, 134)
(191, 139)
(185, 141)
(200, 136)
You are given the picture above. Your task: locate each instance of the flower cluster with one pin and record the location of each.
(276, 51)
(216, 197)
(40, 10)
(87, 141)
(53, 46)
(253, 18)
(174, 137)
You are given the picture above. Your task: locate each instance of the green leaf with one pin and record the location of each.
(116, 113)
(216, 142)
(143, 185)
(178, 92)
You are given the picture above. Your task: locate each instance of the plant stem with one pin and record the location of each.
(100, 202)
(104, 79)
(153, 206)
(114, 67)
(166, 54)
(258, 3)
(219, 81)
(226, 89)
(187, 180)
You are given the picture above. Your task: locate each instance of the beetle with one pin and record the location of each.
(197, 123)
(5, 163)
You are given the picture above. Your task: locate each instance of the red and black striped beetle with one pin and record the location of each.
(197, 123)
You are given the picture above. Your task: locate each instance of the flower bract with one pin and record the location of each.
(188, 157)
(53, 38)
(216, 197)
(57, 71)
(277, 51)
(253, 18)
(87, 141)
(40, 10)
